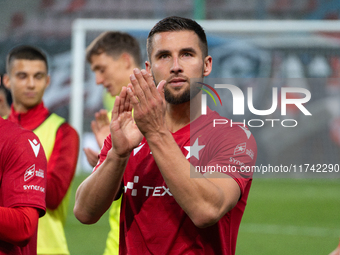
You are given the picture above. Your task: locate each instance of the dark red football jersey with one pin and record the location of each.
(22, 176)
(152, 222)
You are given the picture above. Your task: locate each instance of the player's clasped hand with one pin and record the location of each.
(148, 102)
(125, 135)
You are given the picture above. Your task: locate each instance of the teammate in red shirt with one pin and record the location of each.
(27, 78)
(22, 189)
(184, 188)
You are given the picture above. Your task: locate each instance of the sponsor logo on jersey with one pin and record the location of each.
(235, 161)
(157, 191)
(250, 153)
(29, 173)
(129, 185)
(35, 146)
(240, 148)
(40, 173)
(34, 187)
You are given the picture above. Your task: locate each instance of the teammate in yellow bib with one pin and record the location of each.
(27, 78)
(112, 56)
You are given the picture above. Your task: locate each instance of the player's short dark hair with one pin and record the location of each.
(175, 23)
(114, 43)
(6, 92)
(25, 52)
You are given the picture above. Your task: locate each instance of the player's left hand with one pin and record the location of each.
(91, 156)
(148, 102)
(101, 126)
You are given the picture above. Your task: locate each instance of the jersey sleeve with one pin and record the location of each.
(103, 152)
(18, 224)
(235, 150)
(62, 165)
(24, 172)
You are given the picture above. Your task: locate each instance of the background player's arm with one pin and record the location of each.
(61, 165)
(96, 193)
(18, 224)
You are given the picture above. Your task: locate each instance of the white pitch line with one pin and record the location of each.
(289, 230)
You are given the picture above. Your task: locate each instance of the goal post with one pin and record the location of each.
(81, 27)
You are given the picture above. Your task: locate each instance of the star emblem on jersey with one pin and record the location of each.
(29, 173)
(194, 149)
(35, 146)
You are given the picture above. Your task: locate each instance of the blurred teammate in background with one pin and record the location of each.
(5, 101)
(112, 56)
(27, 78)
(168, 207)
(22, 189)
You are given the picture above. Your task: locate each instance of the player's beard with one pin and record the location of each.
(184, 97)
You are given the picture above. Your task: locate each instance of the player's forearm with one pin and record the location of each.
(96, 193)
(17, 225)
(201, 199)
